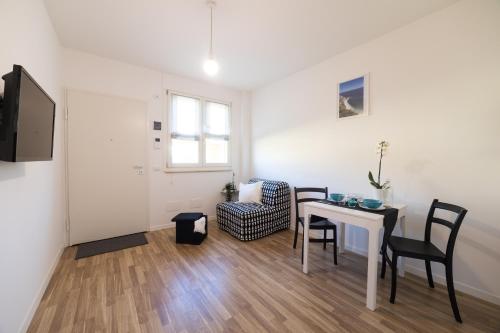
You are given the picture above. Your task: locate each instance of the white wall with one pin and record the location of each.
(173, 192)
(32, 204)
(435, 97)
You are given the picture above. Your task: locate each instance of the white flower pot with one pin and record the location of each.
(381, 194)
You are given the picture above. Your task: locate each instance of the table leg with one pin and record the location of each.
(342, 237)
(371, 284)
(307, 218)
(402, 260)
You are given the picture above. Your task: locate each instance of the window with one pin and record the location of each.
(185, 130)
(216, 133)
(199, 132)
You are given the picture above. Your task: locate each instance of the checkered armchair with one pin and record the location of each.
(249, 221)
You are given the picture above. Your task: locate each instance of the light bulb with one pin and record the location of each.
(211, 67)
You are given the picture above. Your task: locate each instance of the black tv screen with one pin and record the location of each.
(27, 116)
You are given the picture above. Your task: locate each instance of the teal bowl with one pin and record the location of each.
(372, 203)
(337, 197)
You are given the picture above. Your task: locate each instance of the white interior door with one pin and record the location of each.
(106, 166)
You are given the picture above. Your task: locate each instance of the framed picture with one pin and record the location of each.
(353, 97)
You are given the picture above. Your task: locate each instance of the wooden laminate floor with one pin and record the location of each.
(232, 286)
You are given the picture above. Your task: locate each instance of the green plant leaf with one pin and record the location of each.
(386, 185)
(372, 181)
(370, 177)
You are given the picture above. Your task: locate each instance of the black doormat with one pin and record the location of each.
(109, 245)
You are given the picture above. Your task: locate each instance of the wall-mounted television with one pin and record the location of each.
(27, 115)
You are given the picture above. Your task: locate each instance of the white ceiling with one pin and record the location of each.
(256, 41)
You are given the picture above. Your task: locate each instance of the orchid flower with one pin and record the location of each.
(381, 151)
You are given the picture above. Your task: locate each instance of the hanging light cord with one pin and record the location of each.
(210, 66)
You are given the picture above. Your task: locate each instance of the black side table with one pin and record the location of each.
(184, 229)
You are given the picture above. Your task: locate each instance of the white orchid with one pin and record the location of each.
(381, 151)
(382, 147)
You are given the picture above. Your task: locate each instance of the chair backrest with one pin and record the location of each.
(454, 226)
(298, 200)
(274, 193)
(389, 225)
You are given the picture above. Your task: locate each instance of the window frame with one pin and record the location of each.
(201, 165)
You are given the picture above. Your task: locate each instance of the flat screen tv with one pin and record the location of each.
(27, 116)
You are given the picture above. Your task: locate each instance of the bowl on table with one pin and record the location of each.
(337, 197)
(372, 203)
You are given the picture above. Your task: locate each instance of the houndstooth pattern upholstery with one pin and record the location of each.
(249, 221)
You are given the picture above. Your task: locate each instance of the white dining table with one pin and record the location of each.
(372, 222)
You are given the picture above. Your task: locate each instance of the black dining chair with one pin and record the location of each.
(316, 222)
(425, 250)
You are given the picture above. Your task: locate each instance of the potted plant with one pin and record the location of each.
(229, 189)
(380, 189)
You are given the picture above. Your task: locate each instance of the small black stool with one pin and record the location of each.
(184, 229)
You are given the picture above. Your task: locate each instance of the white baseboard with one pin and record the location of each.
(463, 287)
(357, 250)
(38, 297)
(439, 279)
(172, 225)
(162, 226)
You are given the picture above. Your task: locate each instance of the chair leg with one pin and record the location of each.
(296, 234)
(429, 273)
(302, 254)
(324, 239)
(394, 268)
(335, 246)
(384, 265)
(451, 292)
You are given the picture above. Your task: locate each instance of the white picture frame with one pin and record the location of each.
(353, 97)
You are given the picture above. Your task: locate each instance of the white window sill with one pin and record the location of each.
(199, 169)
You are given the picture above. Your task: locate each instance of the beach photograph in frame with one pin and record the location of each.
(353, 97)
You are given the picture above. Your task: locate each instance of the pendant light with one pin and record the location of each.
(211, 67)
